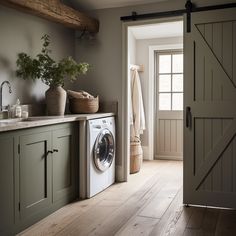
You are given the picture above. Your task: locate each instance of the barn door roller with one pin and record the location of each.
(189, 8)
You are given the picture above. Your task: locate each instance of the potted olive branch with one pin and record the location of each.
(51, 73)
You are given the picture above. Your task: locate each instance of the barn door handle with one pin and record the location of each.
(188, 117)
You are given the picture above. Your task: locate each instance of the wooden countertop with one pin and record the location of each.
(16, 124)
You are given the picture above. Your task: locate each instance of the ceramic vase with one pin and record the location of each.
(55, 101)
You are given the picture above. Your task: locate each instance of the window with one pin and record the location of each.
(170, 81)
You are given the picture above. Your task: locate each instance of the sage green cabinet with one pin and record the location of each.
(6, 183)
(46, 169)
(38, 174)
(63, 164)
(35, 173)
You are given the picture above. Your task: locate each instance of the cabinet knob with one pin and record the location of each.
(49, 152)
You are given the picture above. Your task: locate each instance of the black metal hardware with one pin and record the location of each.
(134, 15)
(188, 117)
(153, 15)
(179, 12)
(49, 152)
(189, 8)
(214, 7)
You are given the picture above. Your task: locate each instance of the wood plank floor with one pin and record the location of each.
(149, 204)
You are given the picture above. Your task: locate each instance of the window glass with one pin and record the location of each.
(177, 83)
(177, 63)
(177, 101)
(165, 101)
(165, 64)
(164, 83)
(170, 81)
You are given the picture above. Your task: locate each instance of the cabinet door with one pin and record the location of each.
(63, 164)
(6, 183)
(35, 173)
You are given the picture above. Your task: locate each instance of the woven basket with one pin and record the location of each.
(136, 157)
(83, 105)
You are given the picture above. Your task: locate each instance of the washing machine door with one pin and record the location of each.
(104, 150)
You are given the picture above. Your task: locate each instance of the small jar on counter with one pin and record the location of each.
(18, 110)
(25, 114)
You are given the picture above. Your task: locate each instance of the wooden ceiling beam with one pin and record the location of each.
(55, 11)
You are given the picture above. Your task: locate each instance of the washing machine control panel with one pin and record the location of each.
(97, 126)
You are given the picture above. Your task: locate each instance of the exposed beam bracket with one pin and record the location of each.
(56, 11)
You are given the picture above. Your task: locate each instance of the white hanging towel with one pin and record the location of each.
(137, 110)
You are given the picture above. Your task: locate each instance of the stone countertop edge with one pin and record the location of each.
(47, 120)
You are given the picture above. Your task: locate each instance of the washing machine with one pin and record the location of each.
(101, 154)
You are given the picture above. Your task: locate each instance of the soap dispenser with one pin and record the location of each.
(18, 109)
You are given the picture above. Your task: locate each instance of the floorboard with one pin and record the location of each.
(150, 204)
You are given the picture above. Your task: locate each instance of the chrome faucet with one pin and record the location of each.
(10, 91)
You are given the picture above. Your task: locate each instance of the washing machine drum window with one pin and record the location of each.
(104, 150)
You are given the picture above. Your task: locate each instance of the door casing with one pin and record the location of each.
(123, 171)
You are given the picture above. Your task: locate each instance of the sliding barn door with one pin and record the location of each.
(210, 109)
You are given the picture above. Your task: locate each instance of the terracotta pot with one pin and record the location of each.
(55, 101)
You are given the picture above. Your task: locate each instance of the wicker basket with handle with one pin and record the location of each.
(83, 105)
(136, 157)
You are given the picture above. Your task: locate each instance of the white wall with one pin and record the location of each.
(22, 32)
(105, 53)
(132, 48)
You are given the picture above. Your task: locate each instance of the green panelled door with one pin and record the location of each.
(35, 173)
(63, 164)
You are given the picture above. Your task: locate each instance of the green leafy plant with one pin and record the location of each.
(43, 67)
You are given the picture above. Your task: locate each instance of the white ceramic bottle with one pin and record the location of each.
(18, 109)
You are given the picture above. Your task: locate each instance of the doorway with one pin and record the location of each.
(146, 57)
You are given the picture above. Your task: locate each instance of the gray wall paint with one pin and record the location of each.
(21, 32)
(105, 53)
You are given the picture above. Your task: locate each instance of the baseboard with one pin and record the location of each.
(119, 174)
(165, 157)
(146, 155)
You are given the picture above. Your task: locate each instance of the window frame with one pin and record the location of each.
(171, 73)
